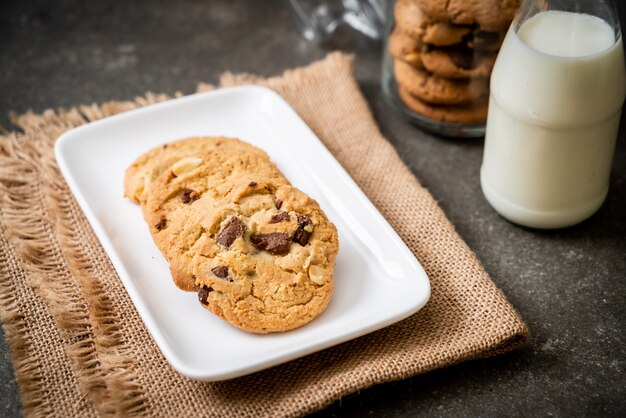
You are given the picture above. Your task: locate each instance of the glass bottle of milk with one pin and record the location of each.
(557, 90)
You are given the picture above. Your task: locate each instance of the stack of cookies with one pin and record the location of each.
(259, 252)
(443, 53)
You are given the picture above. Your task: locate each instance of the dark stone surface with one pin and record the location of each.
(569, 285)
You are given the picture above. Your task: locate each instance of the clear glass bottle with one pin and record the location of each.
(437, 62)
(557, 91)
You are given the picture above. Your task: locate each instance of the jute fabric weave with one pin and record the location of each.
(80, 349)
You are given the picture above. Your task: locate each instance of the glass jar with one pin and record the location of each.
(437, 61)
(317, 20)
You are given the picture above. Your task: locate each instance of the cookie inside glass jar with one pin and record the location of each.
(439, 57)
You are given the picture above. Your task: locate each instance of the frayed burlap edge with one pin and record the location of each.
(39, 226)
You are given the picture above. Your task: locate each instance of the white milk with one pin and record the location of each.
(556, 94)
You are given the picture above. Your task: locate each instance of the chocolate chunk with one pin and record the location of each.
(203, 294)
(461, 56)
(252, 184)
(165, 146)
(230, 232)
(278, 203)
(303, 231)
(220, 271)
(276, 243)
(485, 40)
(161, 224)
(280, 217)
(189, 196)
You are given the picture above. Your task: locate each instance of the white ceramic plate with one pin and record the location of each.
(377, 279)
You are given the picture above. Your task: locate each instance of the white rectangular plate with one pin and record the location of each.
(377, 279)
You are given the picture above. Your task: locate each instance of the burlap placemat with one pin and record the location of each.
(79, 347)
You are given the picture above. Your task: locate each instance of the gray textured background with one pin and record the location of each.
(569, 285)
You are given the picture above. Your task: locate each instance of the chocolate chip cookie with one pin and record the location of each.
(470, 113)
(457, 61)
(437, 90)
(265, 262)
(489, 15)
(412, 21)
(259, 252)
